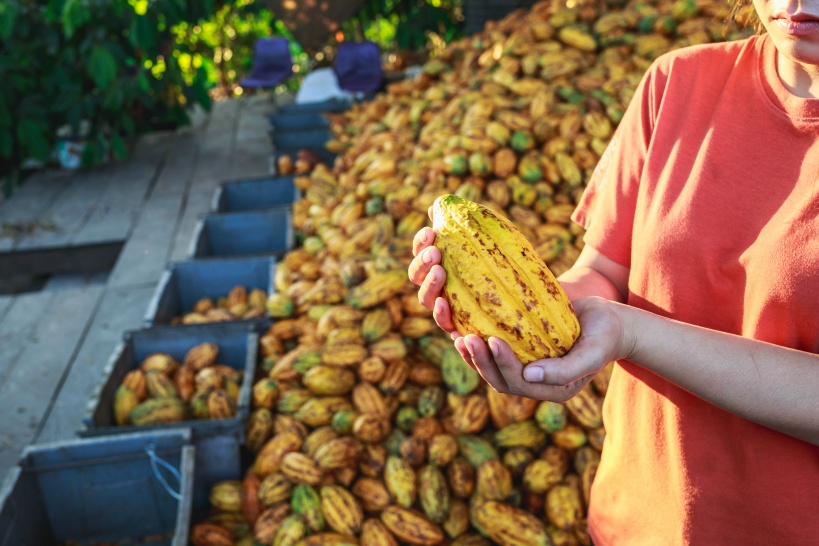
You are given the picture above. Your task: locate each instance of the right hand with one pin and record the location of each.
(425, 270)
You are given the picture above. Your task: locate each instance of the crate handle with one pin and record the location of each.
(156, 460)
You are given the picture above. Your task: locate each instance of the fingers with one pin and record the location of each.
(485, 363)
(432, 286)
(442, 314)
(422, 239)
(459, 344)
(583, 360)
(420, 266)
(515, 374)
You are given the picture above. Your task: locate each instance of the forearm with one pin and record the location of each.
(580, 282)
(771, 385)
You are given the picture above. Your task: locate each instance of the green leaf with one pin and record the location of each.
(33, 139)
(6, 143)
(142, 35)
(143, 82)
(74, 15)
(8, 16)
(118, 146)
(199, 91)
(102, 67)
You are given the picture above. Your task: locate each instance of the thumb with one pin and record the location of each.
(504, 357)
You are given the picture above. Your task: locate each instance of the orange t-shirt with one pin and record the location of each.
(709, 193)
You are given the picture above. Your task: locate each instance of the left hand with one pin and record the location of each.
(602, 340)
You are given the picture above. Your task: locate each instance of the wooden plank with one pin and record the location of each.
(29, 202)
(120, 310)
(115, 215)
(5, 304)
(144, 256)
(19, 326)
(40, 368)
(68, 213)
(198, 203)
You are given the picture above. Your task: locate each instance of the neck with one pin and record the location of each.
(801, 80)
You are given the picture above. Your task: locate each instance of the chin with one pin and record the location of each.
(798, 50)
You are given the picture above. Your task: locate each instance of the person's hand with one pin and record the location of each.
(602, 340)
(425, 270)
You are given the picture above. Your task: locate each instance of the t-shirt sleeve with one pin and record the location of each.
(606, 209)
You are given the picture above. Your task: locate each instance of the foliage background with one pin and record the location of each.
(120, 68)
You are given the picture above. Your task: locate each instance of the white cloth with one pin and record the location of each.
(319, 85)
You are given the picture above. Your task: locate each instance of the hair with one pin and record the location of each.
(744, 15)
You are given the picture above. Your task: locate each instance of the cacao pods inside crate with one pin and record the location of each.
(99, 490)
(263, 233)
(218, 441)
(185, 283)
(255, 194)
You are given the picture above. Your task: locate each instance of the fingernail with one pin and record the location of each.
(427, 256)
(533, 374)
(469, 348)
(493, 346)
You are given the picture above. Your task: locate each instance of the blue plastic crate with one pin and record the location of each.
(185, 283)
(265, 232)
(102, 489)
(299, 139)
(218, 442)
(329, 105)
(255, 194)
(298, 121)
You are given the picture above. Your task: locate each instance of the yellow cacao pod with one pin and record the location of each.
(534, 316)
(201, 356)
(564, 507)
(301, 468)
(411, 526)
(510, 526)
(375, 533)
(124, 403)
(341, 510)
(226, 496)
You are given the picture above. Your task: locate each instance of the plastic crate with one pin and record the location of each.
(299, 139)
(255, 194)
(298, 121)
(266, 232)
(102, 489)
(329, 105)
(185, 283)
(218, 442)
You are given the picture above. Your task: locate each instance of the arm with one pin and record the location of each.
(593, 274)
(773, 386)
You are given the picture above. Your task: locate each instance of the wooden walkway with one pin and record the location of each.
(54, 343)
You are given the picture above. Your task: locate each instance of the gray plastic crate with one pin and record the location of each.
(299, 139)
(329, 105)
(265, 232)
(185, 283)
(102, 489)
(255, 194)
(218, 442)
(298, 121)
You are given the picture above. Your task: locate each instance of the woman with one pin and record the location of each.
(699, 276)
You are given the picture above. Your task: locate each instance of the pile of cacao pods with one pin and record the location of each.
(238, 304)
(162, 390)
(367, 427)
